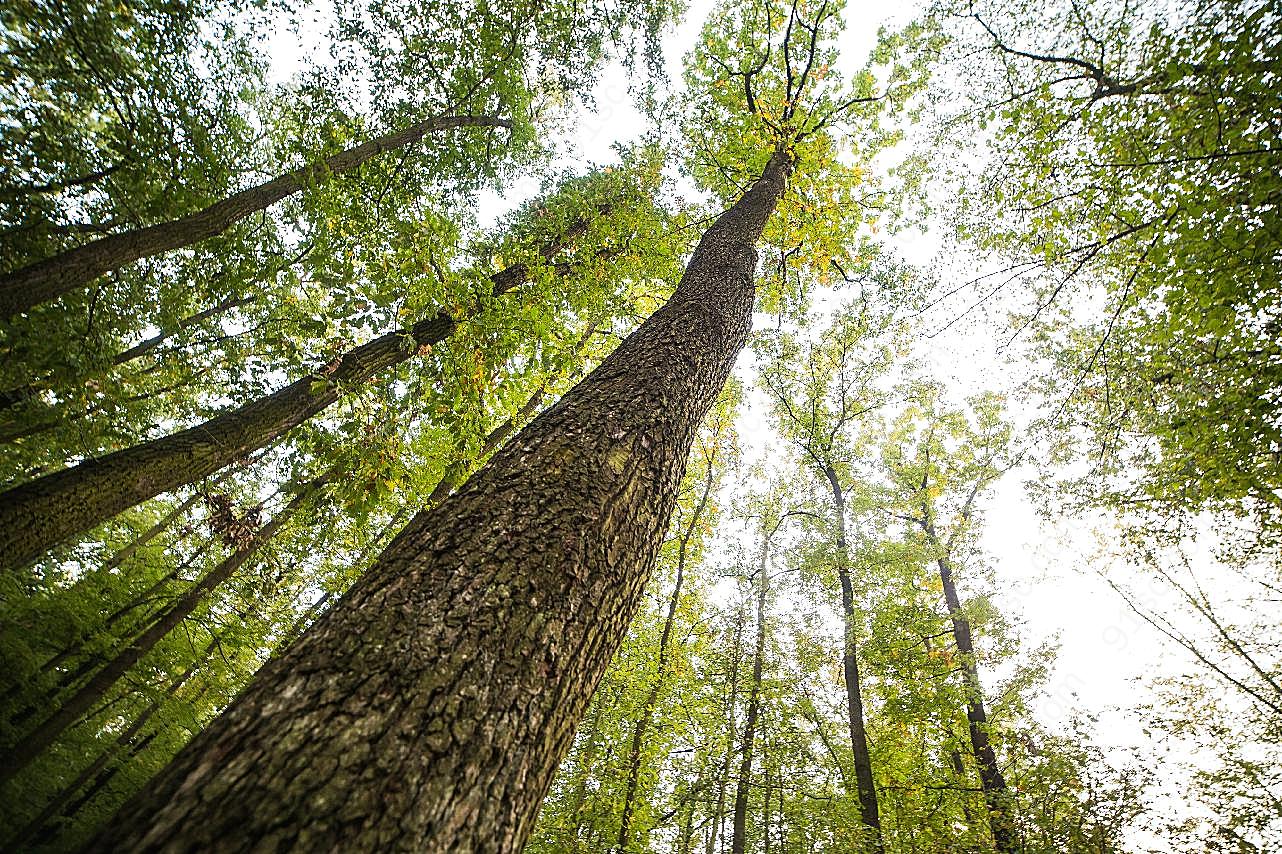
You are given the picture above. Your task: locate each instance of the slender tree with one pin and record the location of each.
(748, 737)
(711, 467)
(940, 466)
(818, 393)
(41, 513)
(49, 279)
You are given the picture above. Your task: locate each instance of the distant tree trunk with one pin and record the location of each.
(27, 287)
(14, 396)
(739, 839)
(959, 771)
(147, 345)
(641, 727)
(62, 801)
(586, 760)
(70, 712)
(429, 709)
(996, 796)
(151, 533)
(686, 836)
(41, 513)
(732, 709)
(767, 817)
(869, 814)
(118, 558)
(73, 649)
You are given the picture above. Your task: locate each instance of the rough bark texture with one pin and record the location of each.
(990, 772)
(429, 709)
(25, 288)
(868, 811)
(70, 712)
(39, 514)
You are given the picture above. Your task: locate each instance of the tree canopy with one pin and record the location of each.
(382, 469)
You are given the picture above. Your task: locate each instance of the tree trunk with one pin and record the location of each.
(70, 712)
(118, 558)
(145, 346)
(585, 759)
(869, 814)
(25, 288)
(64, 798)
(14, 396)
(154, 531)
(739, 839)
(41, 513)
(1000, 820)
(732, 708)
(69, 679)
(642, 725)
(429, 709)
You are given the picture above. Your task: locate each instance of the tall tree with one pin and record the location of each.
(818, 393)
(940, 466)
(50, 278)
(496, 612)
(527, 620)
(39, 514)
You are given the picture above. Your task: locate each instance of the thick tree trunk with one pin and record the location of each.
(25, 288)
(739, 837)
(70, 712)
(1000, 819)
(642, 726)
(429, 709)
(868, 810)
(41, 513)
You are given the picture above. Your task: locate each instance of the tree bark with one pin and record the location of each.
(869, 813)
(996, 796)
(429, 709)
(70, 712)
(28, 287)
(41, 513)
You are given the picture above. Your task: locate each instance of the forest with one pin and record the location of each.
(638, 427)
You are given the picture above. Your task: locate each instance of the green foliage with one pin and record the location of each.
(1136, 155)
